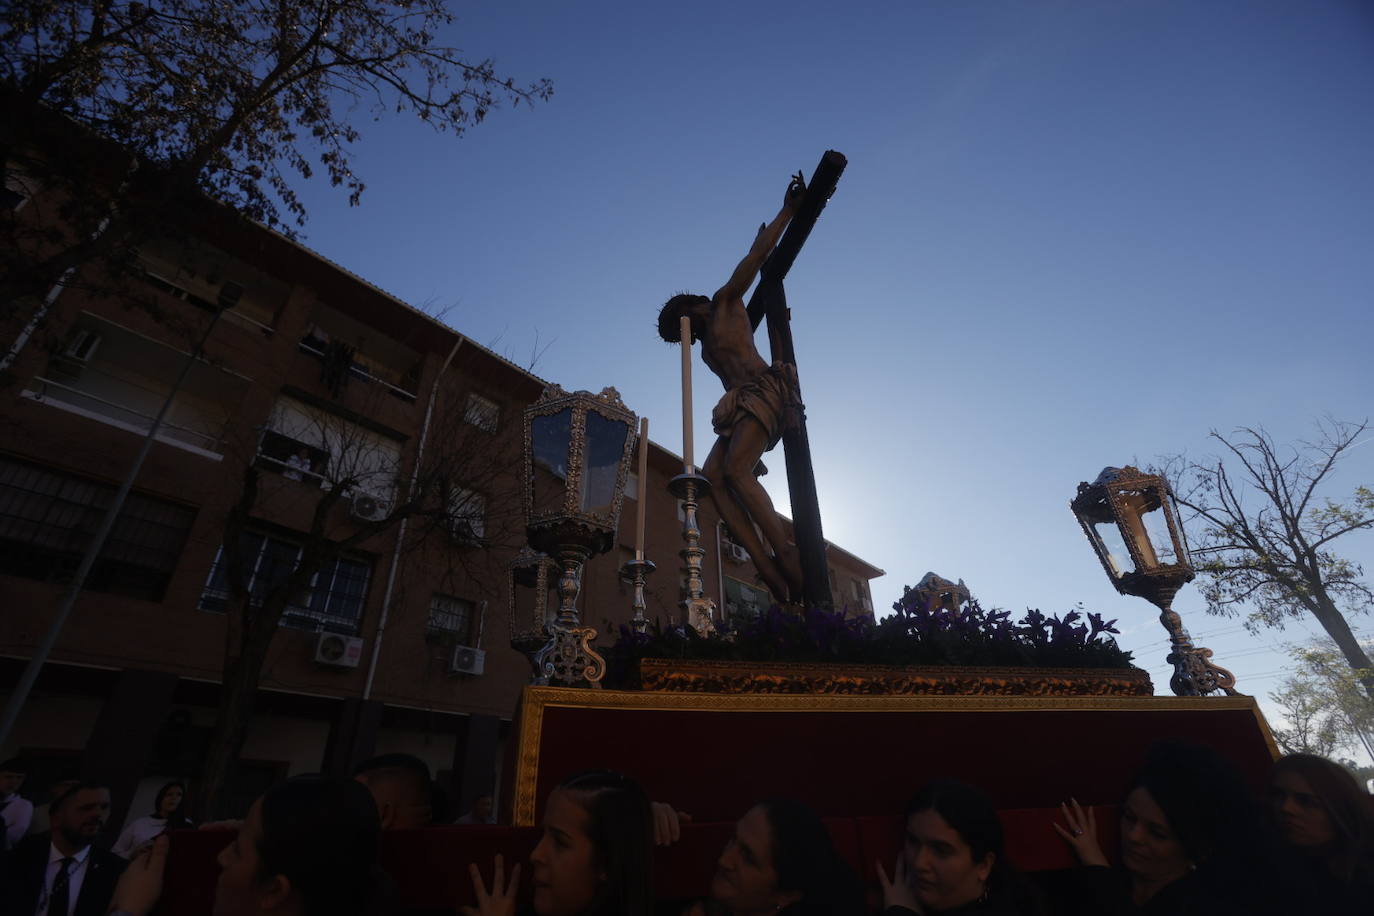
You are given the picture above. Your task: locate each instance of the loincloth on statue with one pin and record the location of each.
(772, 397)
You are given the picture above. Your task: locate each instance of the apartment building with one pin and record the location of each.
(310, 376)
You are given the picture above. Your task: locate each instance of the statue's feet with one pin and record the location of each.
(774, 579)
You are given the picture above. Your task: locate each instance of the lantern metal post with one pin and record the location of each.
(577, 458)
(1117, 511)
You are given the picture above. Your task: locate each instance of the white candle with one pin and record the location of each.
(643, 492)
(685, 327)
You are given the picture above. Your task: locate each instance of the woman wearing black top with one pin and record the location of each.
(953, 860)
(780, 861)
(1190, 843)
(593, 859)
(1325, 824)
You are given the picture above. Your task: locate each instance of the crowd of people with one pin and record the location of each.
(1192, 840)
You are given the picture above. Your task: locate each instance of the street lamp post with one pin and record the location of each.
(577, 456)
(1132, 523)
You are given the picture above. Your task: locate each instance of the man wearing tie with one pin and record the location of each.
(61, 873)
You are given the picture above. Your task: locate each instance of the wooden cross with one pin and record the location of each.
(769, 301)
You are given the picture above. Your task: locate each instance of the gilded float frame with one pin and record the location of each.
(535, 700)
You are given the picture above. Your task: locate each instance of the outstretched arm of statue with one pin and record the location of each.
(764, 243)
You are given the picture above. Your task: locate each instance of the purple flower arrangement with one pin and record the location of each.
(967, 635)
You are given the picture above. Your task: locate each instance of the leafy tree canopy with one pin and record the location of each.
(119, 110)
(245, 98)
(1325, 706)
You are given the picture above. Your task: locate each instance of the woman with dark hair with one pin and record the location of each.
(1189, 842)
(953, 859)
(168, 814)
(593, 859)
(1325, 823)
(780, 861)
(307, 848)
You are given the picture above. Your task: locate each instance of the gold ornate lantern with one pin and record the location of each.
(1132, 522)
(532, 580)
(577, 457)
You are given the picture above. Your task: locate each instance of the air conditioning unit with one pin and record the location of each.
(467, 660)
(339, 651)
(82, 346)
(369, 508)
(736, 553)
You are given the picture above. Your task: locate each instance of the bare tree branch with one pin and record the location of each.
(1272, 560)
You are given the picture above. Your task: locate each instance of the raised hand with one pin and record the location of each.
(497, 902)
(1081, 834)
(140, 886)
(668, 823)
(796, 190)
(898, 891)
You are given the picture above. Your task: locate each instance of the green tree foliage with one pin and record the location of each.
(1324, 702)
(1265, 533)
(237, 100)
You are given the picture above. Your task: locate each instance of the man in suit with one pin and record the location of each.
(61, 873)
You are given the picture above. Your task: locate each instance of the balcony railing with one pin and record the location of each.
(315, 348)
(295, 616)
(68, 397)
(157, 281)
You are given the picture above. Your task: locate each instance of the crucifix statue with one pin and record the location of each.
(762, 402)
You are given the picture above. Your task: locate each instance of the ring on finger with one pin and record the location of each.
(1077, 832)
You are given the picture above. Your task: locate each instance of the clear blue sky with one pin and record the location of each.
(1071, 234)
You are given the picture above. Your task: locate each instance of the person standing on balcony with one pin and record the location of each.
(297, 465)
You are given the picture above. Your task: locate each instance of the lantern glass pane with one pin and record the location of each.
(1113, 548)
(1171, 510)
(605, 449)
(1156, 524)
(1138, 508)
(526, 616)
(551, 600)
(550, 440)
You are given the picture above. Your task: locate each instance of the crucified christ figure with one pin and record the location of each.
(760, 403)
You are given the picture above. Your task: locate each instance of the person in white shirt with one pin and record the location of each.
(15, 812)
(167, 815)
(297, 466)
(483, 811)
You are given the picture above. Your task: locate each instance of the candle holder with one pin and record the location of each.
(637, 571)
(698, 610)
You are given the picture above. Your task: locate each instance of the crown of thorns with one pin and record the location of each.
(670, 316)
